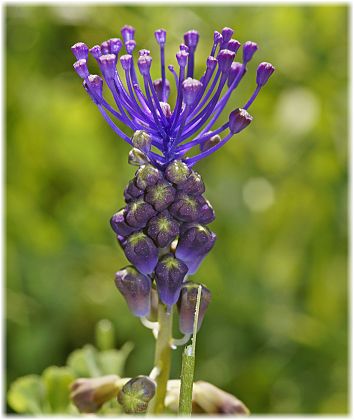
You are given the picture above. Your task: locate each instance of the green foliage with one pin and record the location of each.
(275, 333)
(49, 393)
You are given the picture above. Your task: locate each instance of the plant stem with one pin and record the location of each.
(188, 363)
(162, 359)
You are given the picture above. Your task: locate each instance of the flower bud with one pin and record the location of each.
(211, 142)
(142, 140)
(130, 46)
(193, 185)
(81, 69)
(193, 245)
(177, 172)
(144, 64)
(206, 213)
(141, 252)
(107, 65)
(126, 61)
(115, 45)
(235, 69)
(191, 39)
(160, 36)
(213, 400)
(163, 229)
(144, 52)
(138, 213)
(80, 51)
(137, 158)
(169, 276)
(238, 120)
(185, 207)
(96, 52)
(95, 83)
(158, 86)
(135, 395)
(187, 305)
(249, 48)
(226, 34)
(264, 71)
(211, 62)
(183, 47)
(105, 47)
(166, 108)
(89, 394)
(190, 88)
(119, 225)
(217, 37)
(146, 176)
(233, 45)
(132, 192)
(225, 58)
(182, 57)
(160, 195)
(127, 33)
(135, 288)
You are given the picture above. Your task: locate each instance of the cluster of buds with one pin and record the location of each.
(162, 230)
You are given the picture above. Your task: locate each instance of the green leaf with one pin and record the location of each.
(83, 362)
(26, 395)
(113, 361)
(57, 381)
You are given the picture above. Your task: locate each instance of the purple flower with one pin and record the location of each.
(141, 104)
(135, 288)
(163, 229)
(141, 252)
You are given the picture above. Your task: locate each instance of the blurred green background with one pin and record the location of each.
(275, 334)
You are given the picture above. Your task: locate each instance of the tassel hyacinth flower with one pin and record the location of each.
(162, 228)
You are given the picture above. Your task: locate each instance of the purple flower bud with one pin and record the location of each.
(142, 140)
(137, 158)
(169, 276)
(163, 229)
(80, 51)
(146, 176)
(119, 225)
(249, 48)
(264, 71)
(191, 88)
(135, 288)
(141, 252)
(183, 47)
(130, 46)
(107, 65)
(144, 52)
(185, 207)
(166, 109)
(225, 58)
(187, 304)
(233, 45)
(127, 33)
(81, 69)
(105, 48)
(211, 62)
(115, 45)
(132, 192)
(160, 36)
(234, 72)
(182, 57)
(238, 120)
(122, 241)
(135, 395)
(191, 39)
(194, 184)
(206, 213)
(158, 86)
(126, 61)
(193, 245)
(138, 213)
(144, 64)
(217, 37)
(211, 142)
(227, 35)
(177, 172)
(160, 195)
(96, 52)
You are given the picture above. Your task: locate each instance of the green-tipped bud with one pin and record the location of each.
(137, 158)
(160, 195)
(135, 395)
(211, 142)
(163, 229)
(146, 176)
(89, 394)
(177, 172)
(142, 141)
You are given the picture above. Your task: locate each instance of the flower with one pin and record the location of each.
(142, 105)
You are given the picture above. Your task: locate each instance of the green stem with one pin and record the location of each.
(188, 363)
(162, 359)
